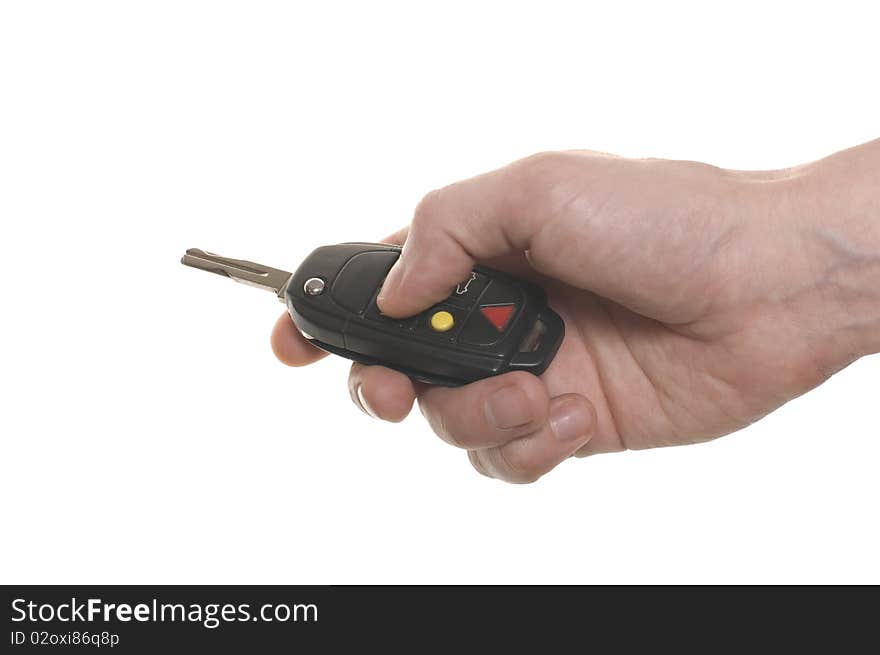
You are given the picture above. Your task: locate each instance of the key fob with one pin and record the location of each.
(490, 324)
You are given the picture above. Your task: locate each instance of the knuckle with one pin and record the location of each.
(518, 469)
(428, 209)
(535, 393)
(541, 159)
(544, 181)
(444, 433)
(438, 423)
(477, 464)
(541, 165)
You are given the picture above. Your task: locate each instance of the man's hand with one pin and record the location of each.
(696, 299)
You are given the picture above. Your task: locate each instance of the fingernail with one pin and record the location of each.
(570, 421)
(363, 402)
(508, 408)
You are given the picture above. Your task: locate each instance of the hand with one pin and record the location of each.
(695, 299)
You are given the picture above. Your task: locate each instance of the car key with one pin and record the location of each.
(491, 323)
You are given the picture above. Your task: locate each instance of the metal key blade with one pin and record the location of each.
(255, 275)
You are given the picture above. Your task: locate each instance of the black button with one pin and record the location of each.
(374, 314)
(468, 290)
(492, 318)
(359, 279)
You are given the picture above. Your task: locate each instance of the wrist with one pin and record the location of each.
(834, 207)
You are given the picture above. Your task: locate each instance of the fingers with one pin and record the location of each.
(488, 412)
(290, 346)
(511, 428)
(571, 425)
(398, 238)
(479, 218)
(381, 392)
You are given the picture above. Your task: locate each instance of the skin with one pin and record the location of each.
(696, 299)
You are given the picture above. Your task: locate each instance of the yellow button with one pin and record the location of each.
(442, 321)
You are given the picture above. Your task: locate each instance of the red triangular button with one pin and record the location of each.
(497, 315)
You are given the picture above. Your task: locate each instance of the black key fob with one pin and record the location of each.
(490, 324)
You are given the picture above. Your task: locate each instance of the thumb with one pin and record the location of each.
(479, 218)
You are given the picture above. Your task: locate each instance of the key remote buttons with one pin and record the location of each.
(490, 323)
(314, 286)
(442, 321)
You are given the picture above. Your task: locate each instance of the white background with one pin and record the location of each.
(148, 434)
